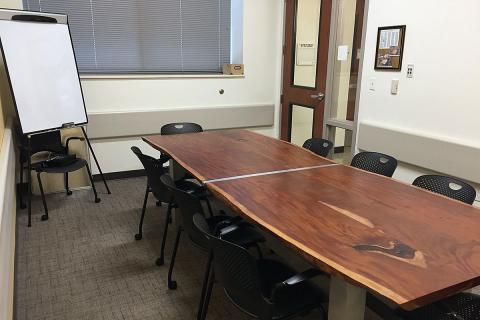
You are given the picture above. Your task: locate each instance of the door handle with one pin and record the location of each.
(320, 96)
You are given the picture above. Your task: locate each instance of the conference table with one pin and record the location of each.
(370, 233)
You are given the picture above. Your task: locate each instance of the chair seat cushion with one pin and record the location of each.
(189, 186)
(74, 166)
(291, 300)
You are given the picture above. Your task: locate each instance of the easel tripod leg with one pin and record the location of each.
(96, 161)
(29, 183)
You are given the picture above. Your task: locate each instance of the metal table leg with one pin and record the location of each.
(347, 301)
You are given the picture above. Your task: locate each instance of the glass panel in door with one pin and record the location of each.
(301, 124)
(307, 20)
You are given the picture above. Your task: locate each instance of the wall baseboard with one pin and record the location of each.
(120, 175)
(339, 150)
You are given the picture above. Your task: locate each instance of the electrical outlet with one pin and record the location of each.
(410, 71)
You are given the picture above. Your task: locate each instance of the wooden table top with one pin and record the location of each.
(226, 153)
(407, 244)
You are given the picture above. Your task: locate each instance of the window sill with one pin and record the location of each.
(157, 76)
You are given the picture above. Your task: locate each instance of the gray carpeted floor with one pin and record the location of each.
(84, 263)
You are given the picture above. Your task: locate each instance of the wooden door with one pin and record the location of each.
(307, 31)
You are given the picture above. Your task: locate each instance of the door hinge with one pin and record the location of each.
(281, 98)
(284, 49)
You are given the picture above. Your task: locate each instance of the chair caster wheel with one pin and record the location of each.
(138, 236)
(159, 262)
(69, 193)
(159, 203)
(172, 285)
(44, 217)
(98, 200)
(23, 206)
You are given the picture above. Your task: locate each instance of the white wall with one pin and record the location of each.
(262, 43)
(442, 98)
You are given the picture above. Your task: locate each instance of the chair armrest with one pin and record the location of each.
(295, 280)
(302, 277)
(73, 138)
(226, 227)
(163, 158)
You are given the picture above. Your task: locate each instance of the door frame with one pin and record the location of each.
(288, 69)
(330, 124)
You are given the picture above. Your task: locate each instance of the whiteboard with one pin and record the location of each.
(43, 74)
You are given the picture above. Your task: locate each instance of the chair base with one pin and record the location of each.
(44, 217)
(160, 262)
(172, 285)
(69, 193)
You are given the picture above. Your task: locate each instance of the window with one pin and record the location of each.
(146, 36)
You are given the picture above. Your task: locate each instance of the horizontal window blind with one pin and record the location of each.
(146, 36)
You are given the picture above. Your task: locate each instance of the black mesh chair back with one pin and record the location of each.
(189, 205)
(236, 270)
(44, 142)
(180, 127)
(375, 162)
(154, 170)
(447, 186)
(319, 146)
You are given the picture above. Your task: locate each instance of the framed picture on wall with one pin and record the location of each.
(389, 54)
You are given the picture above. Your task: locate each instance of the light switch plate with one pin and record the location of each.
(371, 84)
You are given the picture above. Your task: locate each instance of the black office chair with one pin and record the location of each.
(189, 205)
(51, 142)
(235, 231)
(262, 288)
(447, 186)
(180, 127)
(319, 146)
(154, 170)
(375, 162)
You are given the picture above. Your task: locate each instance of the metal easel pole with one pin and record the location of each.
(29, 180)
(95, 158)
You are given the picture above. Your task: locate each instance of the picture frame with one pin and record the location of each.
(390, 47)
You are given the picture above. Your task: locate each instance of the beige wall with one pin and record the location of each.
(2, 123)
(7, 221)
(11, 4)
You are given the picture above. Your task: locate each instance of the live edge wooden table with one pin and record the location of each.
(371, 233)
